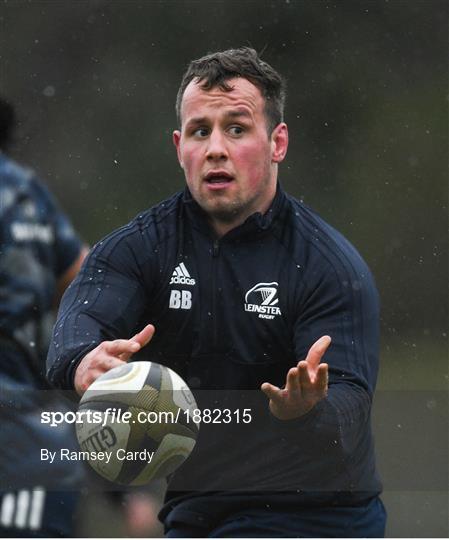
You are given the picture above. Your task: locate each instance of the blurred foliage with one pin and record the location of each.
(95, 84)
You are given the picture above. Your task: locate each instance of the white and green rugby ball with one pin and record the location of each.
(137, 423)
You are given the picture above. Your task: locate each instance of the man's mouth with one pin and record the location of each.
(218, 177)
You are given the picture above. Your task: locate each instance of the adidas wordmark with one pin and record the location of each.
(181, 276)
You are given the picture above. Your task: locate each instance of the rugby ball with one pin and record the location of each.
(137, 423)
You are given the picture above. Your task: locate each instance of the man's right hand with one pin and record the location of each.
(108, 355)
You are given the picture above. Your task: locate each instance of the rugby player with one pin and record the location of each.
(239, 287)
(39, 255)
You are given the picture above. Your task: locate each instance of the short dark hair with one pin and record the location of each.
(216, 68)
(7, 123)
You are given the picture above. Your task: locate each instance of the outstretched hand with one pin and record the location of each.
(108, 355)
(306, 385)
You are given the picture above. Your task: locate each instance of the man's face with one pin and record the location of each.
(229, 160)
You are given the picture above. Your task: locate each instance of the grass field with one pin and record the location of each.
(410, 364)
(411, 419)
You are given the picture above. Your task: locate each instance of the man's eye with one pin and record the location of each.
(236, 130)
(201, 132)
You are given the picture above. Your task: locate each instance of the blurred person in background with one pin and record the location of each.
(40, 254)
(248, 295)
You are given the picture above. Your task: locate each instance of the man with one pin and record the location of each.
(241, 289)
(39, 255)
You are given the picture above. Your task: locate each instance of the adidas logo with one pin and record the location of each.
(181, 276)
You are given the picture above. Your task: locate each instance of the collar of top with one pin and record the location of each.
(255, 225)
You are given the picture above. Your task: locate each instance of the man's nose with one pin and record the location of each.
(216, 148)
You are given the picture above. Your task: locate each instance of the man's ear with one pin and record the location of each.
(177, 142)
(279, 142)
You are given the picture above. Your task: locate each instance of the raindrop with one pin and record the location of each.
(49, 91)
(431, 404)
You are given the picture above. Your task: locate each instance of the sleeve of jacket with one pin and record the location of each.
(66, 243)
(338, 298)
(106, 301)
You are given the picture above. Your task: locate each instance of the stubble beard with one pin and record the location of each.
(228, 212)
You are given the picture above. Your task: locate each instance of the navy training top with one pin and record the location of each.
(229, 315)
(37, 245)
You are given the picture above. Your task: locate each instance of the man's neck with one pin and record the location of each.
(221, 228)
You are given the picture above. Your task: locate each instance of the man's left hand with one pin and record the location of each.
(305, 386)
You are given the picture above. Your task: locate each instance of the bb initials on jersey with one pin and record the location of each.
(180, 299)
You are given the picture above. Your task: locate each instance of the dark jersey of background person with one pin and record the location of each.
(37, 246)
(230, 314)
